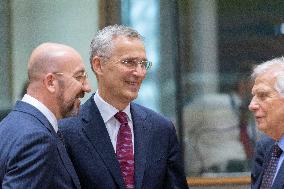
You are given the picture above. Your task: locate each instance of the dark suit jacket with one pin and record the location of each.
(158, 164)
(32, 155)
(261, 159)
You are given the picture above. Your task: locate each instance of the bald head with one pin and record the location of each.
(57, 78)
(48, 58)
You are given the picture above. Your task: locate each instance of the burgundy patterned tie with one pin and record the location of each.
(124, 150)
(270, 170)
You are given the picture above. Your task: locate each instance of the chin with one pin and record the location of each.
(263, 129)
(131, 95)
(72, 112)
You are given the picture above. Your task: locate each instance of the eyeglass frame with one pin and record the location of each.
(146, 66)
(80, 78)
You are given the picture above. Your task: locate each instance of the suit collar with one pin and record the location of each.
(43, 109)
(95, 130)
(278, 182)
(142, 136)
(29, 109)
(67, 162)
(107, 110)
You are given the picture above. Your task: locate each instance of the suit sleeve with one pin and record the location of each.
(175, 172)
(30, 162)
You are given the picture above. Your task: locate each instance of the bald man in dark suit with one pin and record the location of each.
(32, 154)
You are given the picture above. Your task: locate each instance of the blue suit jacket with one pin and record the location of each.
(32, 155)
(158, 163)
(261, 159)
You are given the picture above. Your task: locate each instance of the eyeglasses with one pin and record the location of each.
(132, 64)
(80, 78)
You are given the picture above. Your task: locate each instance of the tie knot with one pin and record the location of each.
(276, 151)
(121, 117)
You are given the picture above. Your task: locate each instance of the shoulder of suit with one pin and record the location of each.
(265, 143)
(151, 114)
(21, 122)
(266, 140)
(25, 129)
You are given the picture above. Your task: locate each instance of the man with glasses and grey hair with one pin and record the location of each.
(32, 153)
(115, 143)
(267, 104)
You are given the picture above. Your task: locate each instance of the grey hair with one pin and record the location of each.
(101, 44)
(278, 65)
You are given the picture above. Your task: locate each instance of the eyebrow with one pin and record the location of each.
(79, 71)
(262, 90)
(134, 58)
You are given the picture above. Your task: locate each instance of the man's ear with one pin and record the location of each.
(97, 65)
(49, 82)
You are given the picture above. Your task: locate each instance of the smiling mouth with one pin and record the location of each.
(80, 95)
(132, 83)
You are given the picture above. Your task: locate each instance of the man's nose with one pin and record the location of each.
(86, 86)
(253, 106)
(140, 70)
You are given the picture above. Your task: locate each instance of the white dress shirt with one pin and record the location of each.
(43, 109)
(112, 124)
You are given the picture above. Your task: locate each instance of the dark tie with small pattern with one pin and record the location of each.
(270, 170)
(124, 150)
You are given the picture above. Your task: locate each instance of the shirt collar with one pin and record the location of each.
(107, 110)
(281, 143)
(43, 109)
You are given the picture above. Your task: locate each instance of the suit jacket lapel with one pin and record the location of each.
(279, 179)
(27, 108)
(141, 139)
(67, 162)
(95, 130)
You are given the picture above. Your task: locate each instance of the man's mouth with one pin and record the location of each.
(258, 118)
(80, 95)
(132, 83)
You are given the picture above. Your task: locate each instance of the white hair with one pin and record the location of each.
(101, 45)
(278, 65)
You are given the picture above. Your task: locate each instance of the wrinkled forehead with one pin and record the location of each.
(266, 77)
(264, 82)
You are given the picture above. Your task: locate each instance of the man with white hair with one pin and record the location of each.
(267, 105)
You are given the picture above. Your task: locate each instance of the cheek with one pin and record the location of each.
(275, 113)
(71, 93)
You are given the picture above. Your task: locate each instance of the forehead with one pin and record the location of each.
(72, 62)
(264, 82)
(125, 46)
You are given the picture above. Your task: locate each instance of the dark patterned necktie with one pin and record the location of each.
(270, 170)
(124, 150)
